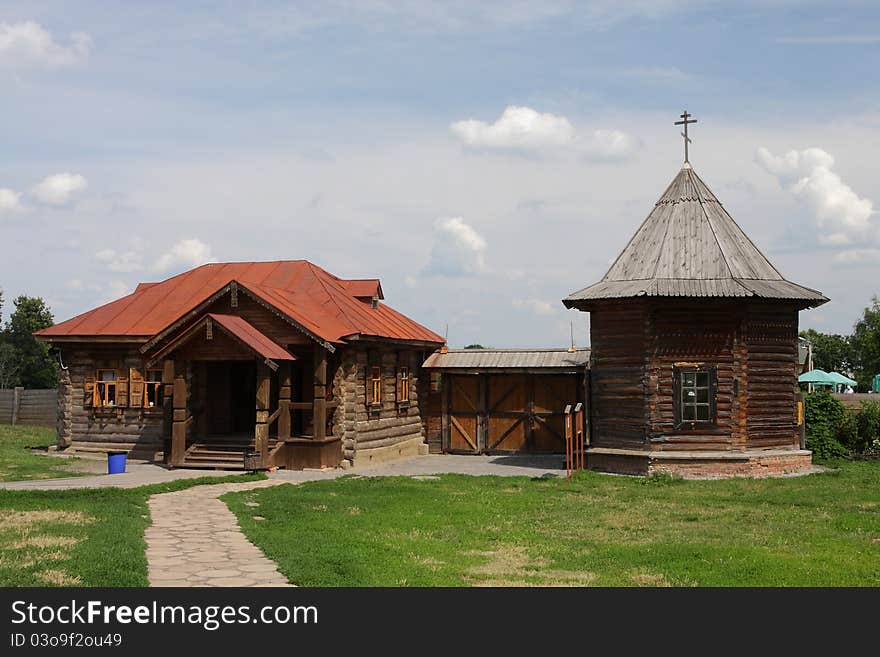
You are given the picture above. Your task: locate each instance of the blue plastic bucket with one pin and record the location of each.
(115, 462)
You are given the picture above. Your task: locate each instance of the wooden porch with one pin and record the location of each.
(220, 405)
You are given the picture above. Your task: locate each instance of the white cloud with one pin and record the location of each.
(30, 45)
(518, 128)
(842, 217)
(537, 306)
(74, 284)
(185, 254)
(610, 145)
(59, 188)
(527, 131)
(857, 256)
(10, 200)
(458, 249)
(125, 261)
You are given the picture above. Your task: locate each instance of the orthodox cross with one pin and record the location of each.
(685, 120)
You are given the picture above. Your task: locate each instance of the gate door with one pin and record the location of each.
(464, 423)
(507, 413)
(552, 392)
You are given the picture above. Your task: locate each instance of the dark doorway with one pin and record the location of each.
(231, 403)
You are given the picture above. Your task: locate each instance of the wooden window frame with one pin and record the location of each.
(159, 392)
(679, 373)
(403, 385)
(375, 382)
(102, 389)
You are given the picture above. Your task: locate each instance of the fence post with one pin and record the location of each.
(16, 403)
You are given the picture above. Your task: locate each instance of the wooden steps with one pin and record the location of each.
(219, 454)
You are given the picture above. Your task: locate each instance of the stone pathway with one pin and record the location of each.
(195, 541)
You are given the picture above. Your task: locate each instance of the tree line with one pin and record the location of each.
(24, 360)
(857, 354)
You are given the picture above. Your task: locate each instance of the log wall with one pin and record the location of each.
(84, 427)
(364, 427)
(772, 369)
(619, 341)
(637, 343)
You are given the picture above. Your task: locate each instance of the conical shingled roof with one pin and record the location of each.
(689, 246)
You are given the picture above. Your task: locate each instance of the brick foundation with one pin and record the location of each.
(701, 465)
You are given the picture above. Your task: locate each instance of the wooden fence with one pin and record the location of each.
(34, 407)
(854, 400)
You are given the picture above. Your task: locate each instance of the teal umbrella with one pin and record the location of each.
(840, 378)
(817, 377)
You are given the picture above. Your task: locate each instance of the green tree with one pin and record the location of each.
(865, 342)
(831, 352)
(475, 346)
(36, 368)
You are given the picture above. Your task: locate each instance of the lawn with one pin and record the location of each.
(85, 537)
(455, 530)
(18, 462)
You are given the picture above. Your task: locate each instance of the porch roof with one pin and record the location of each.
(236, 327)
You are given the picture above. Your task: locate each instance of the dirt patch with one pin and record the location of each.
(43, 541)
(645, 578)
(513, 566)
(59, 578)
(19, 519)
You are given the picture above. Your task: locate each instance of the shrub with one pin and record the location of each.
(868, 424)
(823, 410)
(824, 445)
(848, 433)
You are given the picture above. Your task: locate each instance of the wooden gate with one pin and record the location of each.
(504, 413)
(548, 410)
(464, 402)
(507, 413)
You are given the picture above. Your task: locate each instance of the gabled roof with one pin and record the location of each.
(240, 330)
(689, 246)
(325, 305)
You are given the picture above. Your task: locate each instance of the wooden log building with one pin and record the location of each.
(281, 358)
(694, 343)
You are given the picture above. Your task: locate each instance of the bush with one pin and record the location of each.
(824, 445)
(823, 412)
(868, 425)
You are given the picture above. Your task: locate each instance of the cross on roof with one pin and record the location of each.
(685, 121)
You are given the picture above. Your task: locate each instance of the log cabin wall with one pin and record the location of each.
(619, 340)
(703, 332)
(125, 426)
(366, 426)
(772, 360)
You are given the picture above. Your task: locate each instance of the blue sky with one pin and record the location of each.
(484, 159)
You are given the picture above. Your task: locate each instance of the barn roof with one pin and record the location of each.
(508, 359)
(689, 246)
(328, 307)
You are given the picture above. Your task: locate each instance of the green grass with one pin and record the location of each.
(822, 529)
(85, 537)
(18, 462)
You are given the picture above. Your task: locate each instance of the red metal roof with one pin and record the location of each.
(251, 337)
(239, 328)
(322, 303)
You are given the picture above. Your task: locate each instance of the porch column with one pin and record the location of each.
(319, 405)
(261, 430)
(178, 426)
(284, 401)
